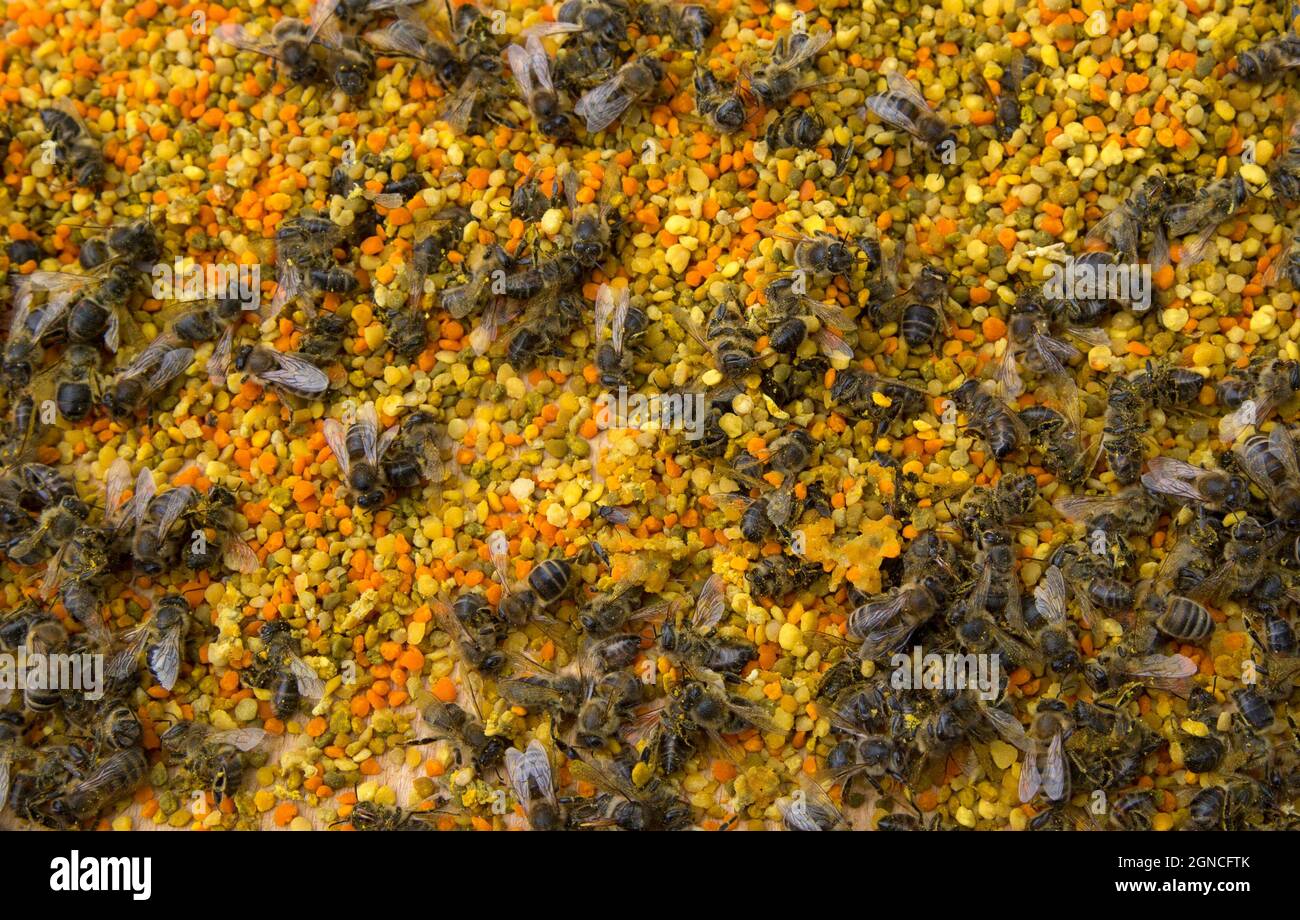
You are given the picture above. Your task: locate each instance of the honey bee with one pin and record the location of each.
(304, 262)
(625, 805)
(211, 519)
(1185, 620)
(1051, 727)
(140, 382)
(810, 808)
(605, 21)
(348, 62)
(780, 575)
(920, 311)
(278, 668)
(1267, 61)
(530, 780)
(798, 128)
(1216, 490)
(214, 758)
(592, 223)
(1055, 639)
(633, 82)
(410, 453)
(1030, 339)
(723, 104)
(449, 721)
(356, 450)
(696, 647)
(883, 400)
(94, 305)
(993, 419)
(532, 71)
(727, 337)
(1060, 442)
(114, 777)
(476, 630)
(1008, 104)
(902, 106)
(1274, 383)
(779, 77)
(75, 151)
(688, 24)
(1202, 214)
(290, 44)
(1270, 462)
(613, 357)
(411, 38)
(791, 314)
(1139, 217)
(288, 374)
(159, 639)
(1125, 427)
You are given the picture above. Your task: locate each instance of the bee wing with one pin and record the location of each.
(833, 345)
(602, 105)
(245, 739)
(1175, 478)
(499, 550)
(1274, 270)
(1007, 375)
(604, 308)
(297, 375)
(1199, 247)
(336, 438)
(1051, 595)
(543, 29)
(58, 282)
(124, 662)
(21, 287)
(888, 109)
(1085, 507)
(289, 284)
(386, 440)
(882, 611)
(309, 683)
(164, 658)
(65, 105)
(235, 34)
(1029, 778)
(116, 483)
(172, 365)
(585, 772)
(321, 13)
(520, 67)
(172, 504)
(145, 490)
(367, 423)
(238, 556)
(538, 63)
(808, 49)
(1054, 771)
(402, 37)
(218, 365)
(816, 796)
(1165, 672)
(1009, 728)
(458, 107)
(5, 778)
(710, 604)
(1108, 226)
(535, 771)
(622, 299)
(1283, 447)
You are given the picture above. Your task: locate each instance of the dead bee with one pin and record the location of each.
(1140, 217)
(902, 106)
(992, 418)
(798, 128)
(532, 71)
(74, 150)
(1008, 106)
(288, 374)
(356, 450)
(636, 80)
(723, 104)
(1202, 214)
(1268, 60)
(696, 647)
(779, 78)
